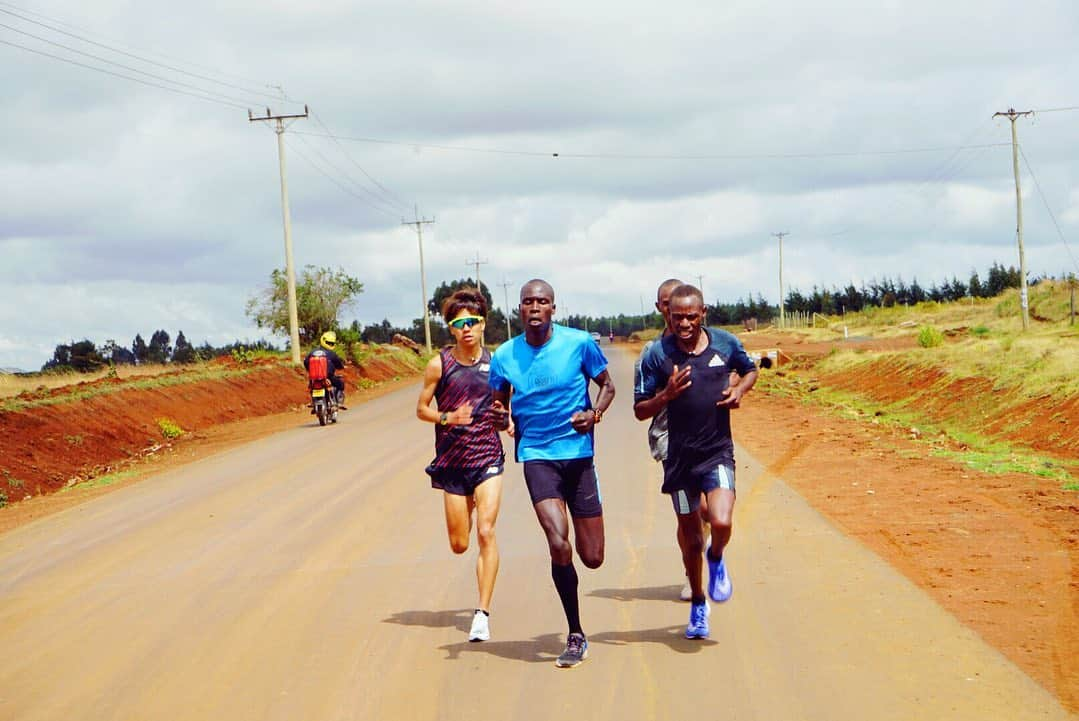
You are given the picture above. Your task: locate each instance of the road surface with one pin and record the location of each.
(307, 576)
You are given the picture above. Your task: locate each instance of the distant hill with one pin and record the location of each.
(12, 371)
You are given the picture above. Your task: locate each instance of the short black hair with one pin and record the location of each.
(687, 291)
(470, 299)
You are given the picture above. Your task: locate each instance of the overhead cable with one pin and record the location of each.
(1049, 210)
(654, 156)
(126, 77)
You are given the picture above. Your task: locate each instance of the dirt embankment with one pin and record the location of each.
(999, 551)
(61, 437)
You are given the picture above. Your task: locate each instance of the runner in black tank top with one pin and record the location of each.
(468, 452)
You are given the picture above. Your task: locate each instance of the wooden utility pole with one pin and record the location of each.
(477, 263)
(506, 294)
(1011, 115)
(782, 310)
(290, 270)
(1071, 297)
(700, 286)
(419, 223)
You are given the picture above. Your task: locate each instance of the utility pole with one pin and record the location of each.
(290, 270)
(1011, 115)
(419, 223)
(506, 294)
(782, 310)
(700, 286)
(477, 262)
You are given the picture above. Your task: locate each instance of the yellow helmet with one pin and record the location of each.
(328, 340)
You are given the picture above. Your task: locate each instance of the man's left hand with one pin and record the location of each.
(732, 397)
(583, 421)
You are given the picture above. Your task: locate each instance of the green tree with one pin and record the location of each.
(445, 290)
(139, 349)
(184, 352)
(321, 295)
(159, 349)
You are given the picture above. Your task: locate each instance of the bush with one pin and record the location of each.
(979, 331)
(3, 499)
(169, 428)
(929, 337)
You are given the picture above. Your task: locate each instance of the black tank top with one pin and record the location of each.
(477, 444)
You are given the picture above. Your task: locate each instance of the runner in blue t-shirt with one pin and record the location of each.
(688, 373)
(547, 370)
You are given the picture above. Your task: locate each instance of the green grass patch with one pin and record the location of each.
(170, 429)
(930, 337)
(101, 481)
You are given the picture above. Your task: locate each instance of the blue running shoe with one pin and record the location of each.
(576, 651)
(698, 620)
(719, 583)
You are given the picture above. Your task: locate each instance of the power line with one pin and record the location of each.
(119, 65)
(132, 55)
(125, 77)
(647, 156)
(391, 197)
(339, 171)
(1049, 210)
(335, 180)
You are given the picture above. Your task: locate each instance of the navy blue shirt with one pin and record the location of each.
(699, 430)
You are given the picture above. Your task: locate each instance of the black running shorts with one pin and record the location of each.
(574, 482)
(685, 488)
(461, 481)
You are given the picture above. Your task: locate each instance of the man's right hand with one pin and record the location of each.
(677, 384)
(500, 416)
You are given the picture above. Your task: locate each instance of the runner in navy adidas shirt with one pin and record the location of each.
(548, 370)
(468, 452)
(688, 373)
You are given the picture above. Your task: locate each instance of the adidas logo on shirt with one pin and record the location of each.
(715, 362)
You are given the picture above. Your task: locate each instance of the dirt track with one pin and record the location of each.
(263, 584)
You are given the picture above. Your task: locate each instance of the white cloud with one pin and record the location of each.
(127, 208)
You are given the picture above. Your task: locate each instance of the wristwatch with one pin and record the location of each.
(444, 419)
(597, 416)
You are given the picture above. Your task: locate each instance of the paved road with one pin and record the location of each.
(307, 576)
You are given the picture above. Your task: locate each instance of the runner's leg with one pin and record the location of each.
(720, 517)
(691, 542)
(488, 499)
(588, 534)
(551, 513)
(458, 520)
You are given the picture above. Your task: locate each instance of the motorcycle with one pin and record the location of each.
(324, 401)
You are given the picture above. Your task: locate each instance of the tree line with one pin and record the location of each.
(86, 357)
(324, 293)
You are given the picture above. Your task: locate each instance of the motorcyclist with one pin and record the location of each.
(327, 343)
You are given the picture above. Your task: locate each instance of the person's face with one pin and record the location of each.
(466, 327)
(663, 304)
(686, 315)
(537, 305)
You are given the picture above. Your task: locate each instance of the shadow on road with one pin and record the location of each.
(645, 593)
(459, 619)
(545, 648)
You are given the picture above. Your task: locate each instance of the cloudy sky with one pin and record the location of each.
(686, 133)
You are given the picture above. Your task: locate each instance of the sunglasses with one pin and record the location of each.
(465, 321)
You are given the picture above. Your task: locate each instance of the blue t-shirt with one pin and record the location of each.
(550, 384)
(699, 430)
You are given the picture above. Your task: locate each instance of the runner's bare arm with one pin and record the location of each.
(732, 396)
(500, 409)
(459, 416)
(676, 385)
(583, 421)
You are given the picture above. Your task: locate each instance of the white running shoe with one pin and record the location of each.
(481, 628)
(686, 594)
